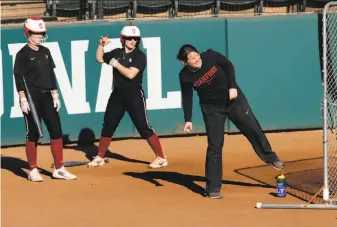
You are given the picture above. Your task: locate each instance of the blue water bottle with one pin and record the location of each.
(281, 186)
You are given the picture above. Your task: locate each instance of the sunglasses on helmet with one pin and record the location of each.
(132, 38)
(38, 33)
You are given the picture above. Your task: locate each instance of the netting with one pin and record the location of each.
(332, 151)
(330, 90)
(315, 180)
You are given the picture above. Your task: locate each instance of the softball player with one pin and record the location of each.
(128, 65)
(36, 64)
(212, 75)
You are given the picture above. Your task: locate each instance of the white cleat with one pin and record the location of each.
(96, 162)
(62, 173)
(158, 163)
(35, 176)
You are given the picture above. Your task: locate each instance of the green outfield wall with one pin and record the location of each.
(276, 60)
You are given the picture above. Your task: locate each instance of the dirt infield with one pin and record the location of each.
(126, 193)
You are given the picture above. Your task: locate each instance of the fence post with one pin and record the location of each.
(100, 13)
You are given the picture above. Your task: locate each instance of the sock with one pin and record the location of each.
(31, 151)
(57, 151)
(155, 145)
(104, 143)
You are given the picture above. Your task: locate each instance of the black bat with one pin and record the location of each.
(77, 163)
(33, 109)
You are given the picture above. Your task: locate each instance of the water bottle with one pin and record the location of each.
(281, 191)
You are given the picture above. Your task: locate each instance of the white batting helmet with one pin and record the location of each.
(130, 31)
(34, 24)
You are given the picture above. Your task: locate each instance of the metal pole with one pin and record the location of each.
(100, 13)
(295, 206)
(325, 106)
(53, 8)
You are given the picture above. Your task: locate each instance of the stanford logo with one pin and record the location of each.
(40, 25)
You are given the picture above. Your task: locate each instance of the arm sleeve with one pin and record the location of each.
(51, 60)
(54, 87)
(227, 67)
(187, 100)
(139, 62)
(52, 66)
(108, 56)
(18, 72)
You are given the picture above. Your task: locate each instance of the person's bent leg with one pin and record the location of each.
(136, 108)
(114, 113)
(244, 119)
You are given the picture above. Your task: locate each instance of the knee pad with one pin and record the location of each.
(106, 132)
(32, 137)
(56, 135)
(145, 134)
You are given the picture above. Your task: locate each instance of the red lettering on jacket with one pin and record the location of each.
(207, 78)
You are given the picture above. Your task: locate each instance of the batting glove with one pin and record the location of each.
(56, 100)
(24, 105)
(233, 93)
(113, 62)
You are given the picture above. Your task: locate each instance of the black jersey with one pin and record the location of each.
(37, 66)
(136, 59)
(212, 82)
